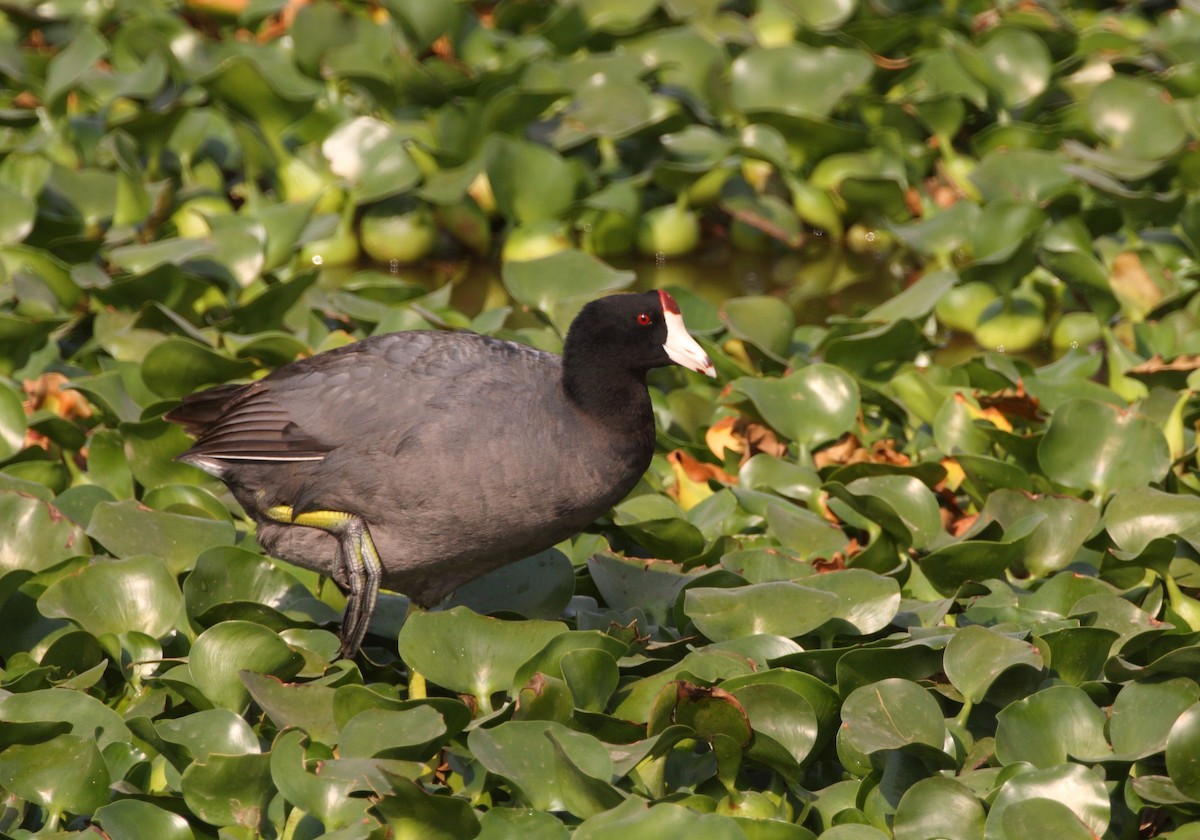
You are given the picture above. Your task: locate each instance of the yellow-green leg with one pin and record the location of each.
(357, 555)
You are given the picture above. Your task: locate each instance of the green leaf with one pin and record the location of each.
(1183, 752)
(1050, 727)
(37, 535)
(815, 405)
(797, 80)
(780, 608)
(976, 657)
(326, 796)
(1095, 446)
(135, 818)
(222, 651)
(1035, 816)
(538, 283)
(136, 594)
(176, 367)
(891, 714)
(469, 653)
(765, 322)
(1118, 110)
(229, 790)
(939, 807)
(66, 773)
(1143, 715)
(530, 182)
(410, 811)
(1072, 785)
(553, 768)
(127, 530)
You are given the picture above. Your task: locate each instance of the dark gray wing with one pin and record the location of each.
(378, 388)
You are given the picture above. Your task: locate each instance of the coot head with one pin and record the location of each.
(634, 332)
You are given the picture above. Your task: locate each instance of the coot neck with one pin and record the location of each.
(612, 396)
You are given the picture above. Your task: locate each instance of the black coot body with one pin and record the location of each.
(458, 452)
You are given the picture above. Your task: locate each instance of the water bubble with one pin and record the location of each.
(818, 232)
(317, 259)
(587, 227)
(394, 265)
(1074, 345)
(871, 236)
(660, 259)
(999, 348)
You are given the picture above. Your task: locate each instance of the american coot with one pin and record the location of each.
(422, 460)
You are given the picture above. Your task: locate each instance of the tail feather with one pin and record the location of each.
(200, 410)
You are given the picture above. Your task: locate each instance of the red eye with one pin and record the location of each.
(644, 319)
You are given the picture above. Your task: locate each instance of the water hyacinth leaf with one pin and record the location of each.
(1050, 727)
(1020, 65)
(902, 505)
(553, 767)
(393, 733)
(210, 731)
(127, 529)
(796, 80)
(86, 715)
(1044, 817)
(229, 790)
(636, 817)
(469, 653)
(628, 583)
(66, 773)
(891, 714)
(503, 823)
(1031, 175)
(765, 322)
(1056, 539)
(781, 608)
(136, 594)
(876, 353)
(592, 675)
(767, 472)
(918, 300)
(12, 423)
(710, 712)
(976, 657)
(17, 215)
(230, 574)
(326, 796)
(606, 105)
(530, 182)
(220, 652)
(1144, 713)
(867, 602)
(939, 807)
(777, 713)
(176, 367)
(1117, 109)
(37, 536)
(1183, 752)
(410, 811)
(301, 706)
(1137, 516)
(539, 586)
(370, 156)
(136, 818)
(1003, 240)
(814, 405)
(657, 523)
(538, 283)
(1095, 446)
(1076, 654)
(1072, 785)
